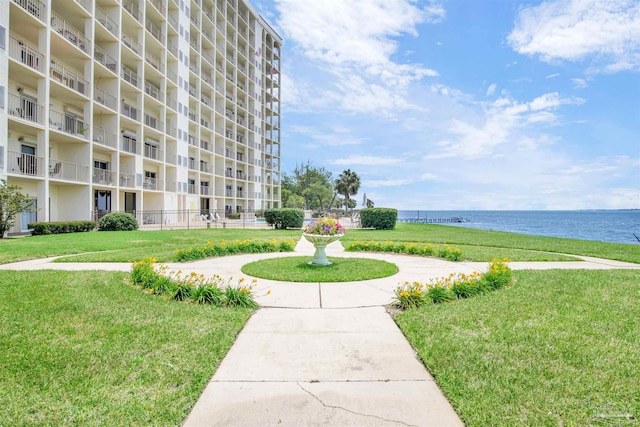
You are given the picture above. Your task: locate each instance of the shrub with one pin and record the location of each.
(118, 221)
(284, 218)
(233, 216)
(379, 218)
(44, 228)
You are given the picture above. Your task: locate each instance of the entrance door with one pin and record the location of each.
(102, 203)
(205, 206)
(30, 215)
(27, 160)
(130, 203)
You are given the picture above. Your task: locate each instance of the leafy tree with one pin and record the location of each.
(370, 203)
(310, 183)
(12, 202)
(347, 185)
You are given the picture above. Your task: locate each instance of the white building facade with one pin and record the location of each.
(139, 105)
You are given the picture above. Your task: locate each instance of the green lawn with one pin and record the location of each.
(84, 348)
(125, 246)
(497, 241)
(556, 348)
(477, 245)
(297, 269)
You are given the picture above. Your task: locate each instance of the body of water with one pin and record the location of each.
(607, 226)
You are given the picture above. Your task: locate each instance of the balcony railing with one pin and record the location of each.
(152, 152)
(25, 54)
(130, 111)
(172, 103)
(205, 190)
(68, 78)
(127, 180)
(105, 59)
(67, 171)
(192, 189)
(69, 32)
(104, 137)
(153, 122)
(68, 123)
(154, 61)
(130, 76)
(129, 145)
(205, 168)
(106, 21)
(25, 109)
(131, 43)
(104, 176)
(25, 164)
(154, 30)
(151, 90)
(133, 9)
(160, 6)
(34, 7)
(105, 98)
(150, 183)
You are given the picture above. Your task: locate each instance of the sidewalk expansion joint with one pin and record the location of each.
(320, 293)
(353, 412)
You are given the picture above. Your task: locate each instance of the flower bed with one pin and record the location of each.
(452, 287)
(157, 279)
(450, 253)
(232, 247)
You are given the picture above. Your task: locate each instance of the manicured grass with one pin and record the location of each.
(297, 269)
(84, 348)
(556, 348)
(125, 246)
(457, 236)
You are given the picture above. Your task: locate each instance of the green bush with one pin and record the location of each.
(44, 228)
(233, 216)
(118, 221)
(284, 218)
(379, 218)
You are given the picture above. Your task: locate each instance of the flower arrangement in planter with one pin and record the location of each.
(324, 227)
(320, 233)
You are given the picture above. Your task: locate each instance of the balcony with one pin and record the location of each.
(26, 109)
(25, 164)
(25, 54)
(153, 91)
(151, 183)
(133, 9)
(205, 190)
(68, 123)
(204, 168)
(68, 78)
(34, 7)
(67, 171)
(192, 189)
(69, 32)
(153, 122)
(129, 145)
(104, 176)
(105, 98)
(152, 151)
(106, 21)
(130, 111)
(154, 61)
(130, 76)
(154, 30)
(105, 138)
(127, 180)
(105, 59)
(131, 43)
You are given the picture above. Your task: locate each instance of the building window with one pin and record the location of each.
(2, 97)
(3, 36)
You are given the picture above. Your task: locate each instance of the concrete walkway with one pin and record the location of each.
(324, 354)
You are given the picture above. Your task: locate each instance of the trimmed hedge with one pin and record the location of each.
(284, 218)
(379, 218)
(43, 228)
(118, 221)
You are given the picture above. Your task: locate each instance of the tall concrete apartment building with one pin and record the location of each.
(138, 106)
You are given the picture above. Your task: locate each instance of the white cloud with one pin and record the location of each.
(355, 41)
(376, 183)
(550, 76)
(498, 125)
(355, 159)
(604, 32)
(579, 83)
(492, 89)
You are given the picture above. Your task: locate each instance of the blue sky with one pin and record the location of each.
(465, 104)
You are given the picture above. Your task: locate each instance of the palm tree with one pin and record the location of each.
(347, 185)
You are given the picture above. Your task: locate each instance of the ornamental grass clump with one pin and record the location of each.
(324, 227)
(233, 247)
(193, 287)
(455, 286)
(447, 252)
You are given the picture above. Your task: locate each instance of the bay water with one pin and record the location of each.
(616, 226)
